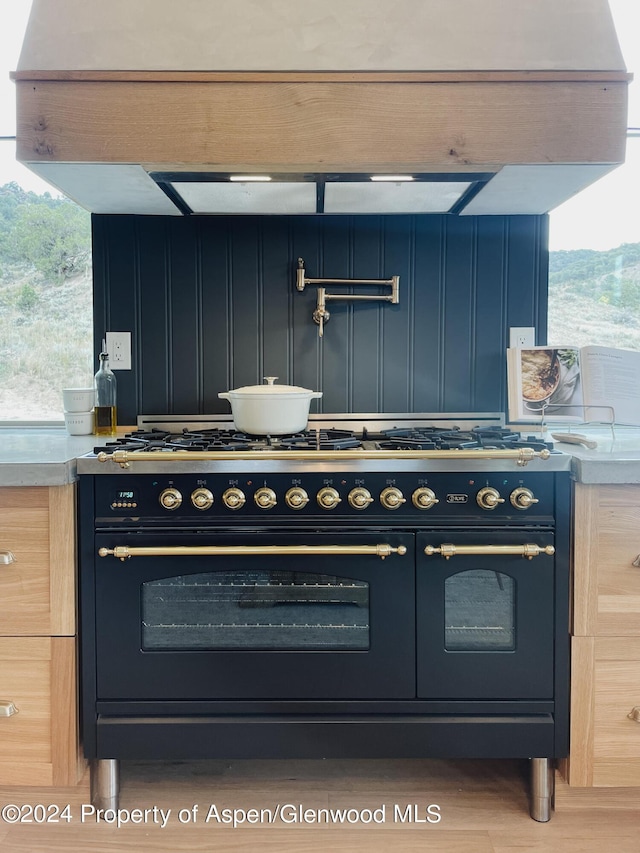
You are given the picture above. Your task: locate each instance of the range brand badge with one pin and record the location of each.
(457, 499)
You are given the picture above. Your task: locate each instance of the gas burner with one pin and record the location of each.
(331, 439)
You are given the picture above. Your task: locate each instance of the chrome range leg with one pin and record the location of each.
(105, 783)
(541, 789)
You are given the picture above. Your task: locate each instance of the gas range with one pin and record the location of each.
(377, 586)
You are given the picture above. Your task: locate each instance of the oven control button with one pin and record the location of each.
(265, 498)
(328, 498)
(202, 498)
(489, 498)
(233, 498)
(360, 498)
(296, 498)
(391, 498)
(522, 498)
(170, 498)
(424, 498)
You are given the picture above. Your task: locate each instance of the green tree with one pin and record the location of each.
(54, 236)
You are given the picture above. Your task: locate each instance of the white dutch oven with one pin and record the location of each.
(270, 409)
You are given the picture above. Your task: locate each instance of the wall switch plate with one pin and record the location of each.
(521, 337)
(119, 349)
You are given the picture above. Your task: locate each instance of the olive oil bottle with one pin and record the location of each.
(105, 417)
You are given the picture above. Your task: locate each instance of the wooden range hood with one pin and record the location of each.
(523, 132)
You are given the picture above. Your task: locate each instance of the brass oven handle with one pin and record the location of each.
(123, 552)
(529, 551)
(7, 557)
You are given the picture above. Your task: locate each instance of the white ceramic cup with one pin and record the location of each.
(78, 399)
(79, 423)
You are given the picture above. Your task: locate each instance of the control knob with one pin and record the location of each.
(170, 498)
(391, 498)
(489, 498)
(328, 498)
(360, 498)
(233, 498)
(522, 498)
(424, 498)
(296, 498)
(202, 498)
(265, 498)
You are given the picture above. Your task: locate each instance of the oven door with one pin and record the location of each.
(254, 615)
(485, 623)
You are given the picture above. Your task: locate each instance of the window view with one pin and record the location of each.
(45, 269)
(594, 238)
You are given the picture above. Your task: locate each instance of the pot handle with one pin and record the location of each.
(224, 395)
(316, 395)
(270, 380)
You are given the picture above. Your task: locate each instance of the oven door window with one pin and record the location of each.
(276, 610)
(479, 612)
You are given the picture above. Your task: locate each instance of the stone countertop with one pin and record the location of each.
(616, 459)
(40, 456)
(46, 456)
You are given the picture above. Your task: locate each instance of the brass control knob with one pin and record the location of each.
(424, 498)
(233, 498)
(360, 498)
(489, 498)
(522, 498)
(170, 498)
(202, 498)
(392, 498)
(296, 498)
(328, 498)
(265, 498)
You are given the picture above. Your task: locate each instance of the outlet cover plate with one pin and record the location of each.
(119, 349)
(521, 337)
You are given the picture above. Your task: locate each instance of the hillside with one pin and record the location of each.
(594, 297)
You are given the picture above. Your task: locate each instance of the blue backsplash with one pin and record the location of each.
(211, 303)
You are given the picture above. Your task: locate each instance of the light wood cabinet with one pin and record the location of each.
(605, 667)
(38, 642)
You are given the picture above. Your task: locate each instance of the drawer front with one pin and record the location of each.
(616, 740)
(37, 547)
(605, 690)
(606, 544)
(38, 742)
(618, 577)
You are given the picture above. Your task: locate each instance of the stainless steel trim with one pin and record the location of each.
(124, 552)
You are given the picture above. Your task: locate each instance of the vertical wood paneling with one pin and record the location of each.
(151, 341)
(212, 305)
(185, 317)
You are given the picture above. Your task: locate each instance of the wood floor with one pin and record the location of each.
(483, 808)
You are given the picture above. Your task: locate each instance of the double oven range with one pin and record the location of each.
(382, 586)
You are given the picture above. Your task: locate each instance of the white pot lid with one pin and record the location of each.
(271, 390)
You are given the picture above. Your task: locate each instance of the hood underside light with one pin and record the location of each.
(209, 193)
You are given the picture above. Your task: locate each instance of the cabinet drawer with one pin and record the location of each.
(38, 743)
(37, 568)
(607, 541)
(605, 687)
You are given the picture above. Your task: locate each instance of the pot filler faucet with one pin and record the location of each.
(321, 314)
